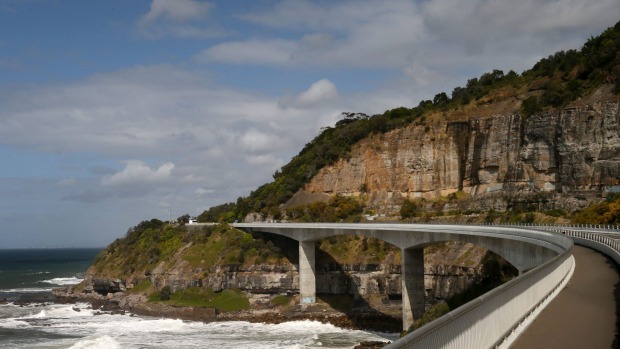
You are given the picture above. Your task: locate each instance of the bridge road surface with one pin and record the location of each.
(584, 314)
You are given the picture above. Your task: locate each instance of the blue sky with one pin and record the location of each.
(112, 112)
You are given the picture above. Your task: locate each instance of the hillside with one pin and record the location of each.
(513, 135)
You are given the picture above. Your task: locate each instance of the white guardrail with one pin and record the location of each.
(495, 319)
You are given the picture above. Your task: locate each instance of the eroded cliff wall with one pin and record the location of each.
(559, 159)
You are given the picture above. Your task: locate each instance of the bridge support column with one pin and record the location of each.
(307, 277)
(413, 285)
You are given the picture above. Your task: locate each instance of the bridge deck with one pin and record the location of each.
(584, 313)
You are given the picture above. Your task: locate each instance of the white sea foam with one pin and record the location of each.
(39, 273)
(125, 331)
(63, 281)
(26, 290)
(104, 342)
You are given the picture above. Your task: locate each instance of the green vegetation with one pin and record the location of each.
(337, 209)
(349, 249)
(227, 300)
(143, 286)
(281, 300)
(152, 242)
(410, 208)
(607, 212)
(436, 311)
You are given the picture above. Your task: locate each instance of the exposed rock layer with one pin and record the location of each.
(559, 159)
(449, 269)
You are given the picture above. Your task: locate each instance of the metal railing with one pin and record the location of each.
(495, 319)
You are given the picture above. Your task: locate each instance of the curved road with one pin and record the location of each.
(584, 314)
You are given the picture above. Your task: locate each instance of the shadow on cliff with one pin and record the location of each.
(346, 298)
(338, 289)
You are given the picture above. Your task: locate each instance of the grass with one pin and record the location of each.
(281, 300)
(227, 300)
(431, 314)
(142, 287)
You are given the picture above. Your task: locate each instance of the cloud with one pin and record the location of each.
(175, 11)
(202, 191)
(321, 90)
(446, 36)
(138, 173)
(87, 196)
(268, 52)
(264, 160)
(256, 142)
(177, 19)
(347, 33)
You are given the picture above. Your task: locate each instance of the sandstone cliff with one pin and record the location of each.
(450, 268)
(553, 159)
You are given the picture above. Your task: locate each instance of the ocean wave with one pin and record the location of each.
(95, 342)
(63, 281)
(39, 273)
(26, 290)
(78, 321)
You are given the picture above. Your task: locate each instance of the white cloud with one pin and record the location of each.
(255, 141)
(176, 11)
(267, 52)
(264, 160)
(203, 191)
(138, 173)
(347, 33)
(444, 36)
(176, 18)
(320, 91)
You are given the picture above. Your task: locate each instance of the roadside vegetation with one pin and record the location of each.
(431, 210)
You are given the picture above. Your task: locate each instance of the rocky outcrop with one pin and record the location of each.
(555, 159)
(449, 269)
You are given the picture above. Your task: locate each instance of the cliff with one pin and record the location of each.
(559, 159)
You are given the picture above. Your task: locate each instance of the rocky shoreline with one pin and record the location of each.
(136, 304)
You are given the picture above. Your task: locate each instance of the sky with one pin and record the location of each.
(113, 112)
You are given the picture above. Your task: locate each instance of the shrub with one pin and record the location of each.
(164, 293)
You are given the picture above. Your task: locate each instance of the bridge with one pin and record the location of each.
(541, 254)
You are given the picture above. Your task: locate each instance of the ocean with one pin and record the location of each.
(27, 274)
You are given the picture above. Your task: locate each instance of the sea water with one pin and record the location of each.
(49, 325)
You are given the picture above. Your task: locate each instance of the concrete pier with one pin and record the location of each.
(413, 285)
(307, 276)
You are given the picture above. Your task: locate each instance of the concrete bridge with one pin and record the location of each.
(543, 259)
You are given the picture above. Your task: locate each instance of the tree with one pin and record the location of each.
(530, 106)
(184, 219)
(441, 99)
(409, 209)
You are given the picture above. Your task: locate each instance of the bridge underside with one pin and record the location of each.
(521, 252)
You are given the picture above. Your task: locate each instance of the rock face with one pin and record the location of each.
(552, 159)
(449, 269)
